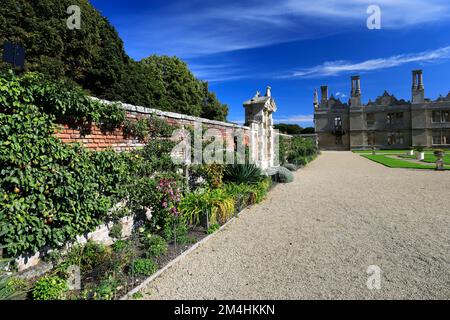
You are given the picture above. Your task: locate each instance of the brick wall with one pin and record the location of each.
(95, 138)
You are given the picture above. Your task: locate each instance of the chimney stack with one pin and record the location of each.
(355, 95)
(324, 94)
(316, 99)
(356, 86)
(418, 89)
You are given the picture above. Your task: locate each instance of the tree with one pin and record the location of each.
(94, 57)
(288, 128)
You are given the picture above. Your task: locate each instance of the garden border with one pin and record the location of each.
(195, 246)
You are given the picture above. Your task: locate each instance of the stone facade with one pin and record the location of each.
(386, 123)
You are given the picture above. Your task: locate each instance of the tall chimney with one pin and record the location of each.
(418, 89)
(268, 93)
(356, 85)
(316, 99)
(355, 95)
(324, 93)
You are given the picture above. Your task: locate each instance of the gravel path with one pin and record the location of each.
(316, 237)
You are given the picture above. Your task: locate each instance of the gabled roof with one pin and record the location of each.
(257, 100)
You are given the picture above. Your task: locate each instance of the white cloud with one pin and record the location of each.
(303, 118)
(338, 67)
(192, 28)
(217, 72)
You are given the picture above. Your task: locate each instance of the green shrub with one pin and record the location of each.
(143, 267)
(137, 295)
(284, 175)
(284, 147)
(213, 228)
(174, 230)
(12, 288)
(50, 288)
(243, 173)
(155, 245)
(301, 151)
(116, 230)
(213, 174)
(88, 257)
(290, 166)
(106, 290)
(122, 255)
(120, 245)
(419, 148)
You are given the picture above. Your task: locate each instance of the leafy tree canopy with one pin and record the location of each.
(293, 129)
(94, 57)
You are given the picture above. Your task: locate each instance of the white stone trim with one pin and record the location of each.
(173, 115)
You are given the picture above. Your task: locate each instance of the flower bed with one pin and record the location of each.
(108, 272)
(52, 193)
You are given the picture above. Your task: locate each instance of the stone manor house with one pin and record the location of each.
(386, 123)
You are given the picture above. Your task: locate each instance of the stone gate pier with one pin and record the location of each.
(258, 116)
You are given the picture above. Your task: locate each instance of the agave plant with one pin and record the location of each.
(243, 173)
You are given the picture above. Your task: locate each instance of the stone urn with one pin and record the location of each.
(439, 154)
(420, 155)
(410, 152)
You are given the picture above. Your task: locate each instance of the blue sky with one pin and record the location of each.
(292, 45)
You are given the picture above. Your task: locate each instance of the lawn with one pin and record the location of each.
(381, 151)
(398, 163)
(429, 158)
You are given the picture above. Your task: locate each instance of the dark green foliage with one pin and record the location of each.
(51, 192)
(173, 230)
(143, 267)
(284, 175)
(67, 101)
(94, 57)
(309, 130)
(284, 145)
(116, 231)
(120, 245)
(12, 288)
(301, 151)
(419, 148)
(155, 245)
(213, 228)
(290, 166)
(293, 129)
(242, 173)
(50, 288)
(288, 128)
(106, 290)
(87, 257)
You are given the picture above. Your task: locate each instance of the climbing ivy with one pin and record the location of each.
(50, 192)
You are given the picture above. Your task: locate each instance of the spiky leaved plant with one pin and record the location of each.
(243, 173)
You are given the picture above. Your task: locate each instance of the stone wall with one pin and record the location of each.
(99, 235)
(95, 138)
